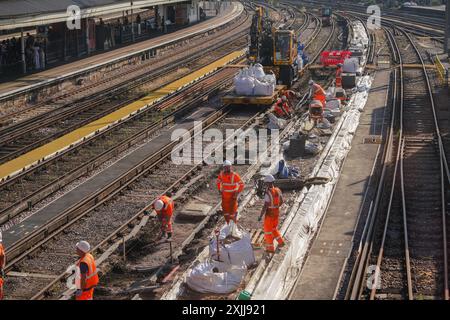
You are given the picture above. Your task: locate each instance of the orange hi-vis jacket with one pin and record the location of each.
(271, 232)
(166, 213)
(282, 108)
(319, 94)
(273, 208)
(91, 276)
(2, 256)
(230, 185)
(338, 77)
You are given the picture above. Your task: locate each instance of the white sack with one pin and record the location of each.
(202, 278)
(236, 253)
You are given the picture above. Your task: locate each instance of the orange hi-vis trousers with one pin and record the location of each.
(86, 295)
(271, 233)
(229, 207)
(321, 98)
(1, 288)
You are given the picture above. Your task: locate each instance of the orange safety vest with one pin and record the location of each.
(168, 205)
(229, 183)
(273, 208)
(2, 256)
(92, 276)
(339, 77)
(282, 109)
(318, 90)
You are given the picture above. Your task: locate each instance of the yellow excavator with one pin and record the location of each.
(273, 47)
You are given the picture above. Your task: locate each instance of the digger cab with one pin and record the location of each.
(285, 55)
(284, 47)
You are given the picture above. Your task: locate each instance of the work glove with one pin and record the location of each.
(2, 271)
(259, 218)
(78, 293)
(146, 212)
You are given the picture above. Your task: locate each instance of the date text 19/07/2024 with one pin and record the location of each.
(236, 310)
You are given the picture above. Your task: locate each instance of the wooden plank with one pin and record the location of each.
(31, 275)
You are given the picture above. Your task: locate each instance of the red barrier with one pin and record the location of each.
(332, 58)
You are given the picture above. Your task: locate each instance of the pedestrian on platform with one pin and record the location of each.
(2, 266)
(229, 184)
(164, 207)
(273, 199)
(88, 272)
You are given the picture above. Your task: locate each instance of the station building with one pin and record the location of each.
(36, 34)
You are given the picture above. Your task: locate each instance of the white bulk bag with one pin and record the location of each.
(270, 78)
(333, 104)
(237, 253)
(263, 88)
(258, 71)
(350, 65)
(202, 278)
(244, 85)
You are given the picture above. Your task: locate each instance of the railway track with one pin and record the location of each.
(43, 254)
(73, 164)
(130, 196)
(33, 132)
(406, 237)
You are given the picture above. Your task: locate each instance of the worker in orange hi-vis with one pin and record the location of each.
(88, 272)
(281, 108)
(273, 200)
(338, 82)
(229, 184)
(317, 92)
(164, 206)
(2, 266)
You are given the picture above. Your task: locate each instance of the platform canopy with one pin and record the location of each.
(28, 13)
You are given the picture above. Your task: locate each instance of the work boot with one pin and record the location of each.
(169, 235)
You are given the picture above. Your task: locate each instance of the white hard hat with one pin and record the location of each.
(227, 163)
(311, 82)
(1, 237)
(283, 98)
(83, 246)
(269, 178)
(159, 205)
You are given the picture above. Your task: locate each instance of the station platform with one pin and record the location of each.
(100, 180)
(33, 157)
(53, 75)
(321, 274)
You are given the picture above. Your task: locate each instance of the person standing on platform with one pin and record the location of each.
(2, 266)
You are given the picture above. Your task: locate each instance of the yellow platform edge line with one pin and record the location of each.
(25, 161)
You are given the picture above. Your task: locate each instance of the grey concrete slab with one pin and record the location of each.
(100, 180)
(321, 273)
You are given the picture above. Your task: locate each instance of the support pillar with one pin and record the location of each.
(132, 22)
(165, 18)
(447, 29)
(22, 51)
(88, 50)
